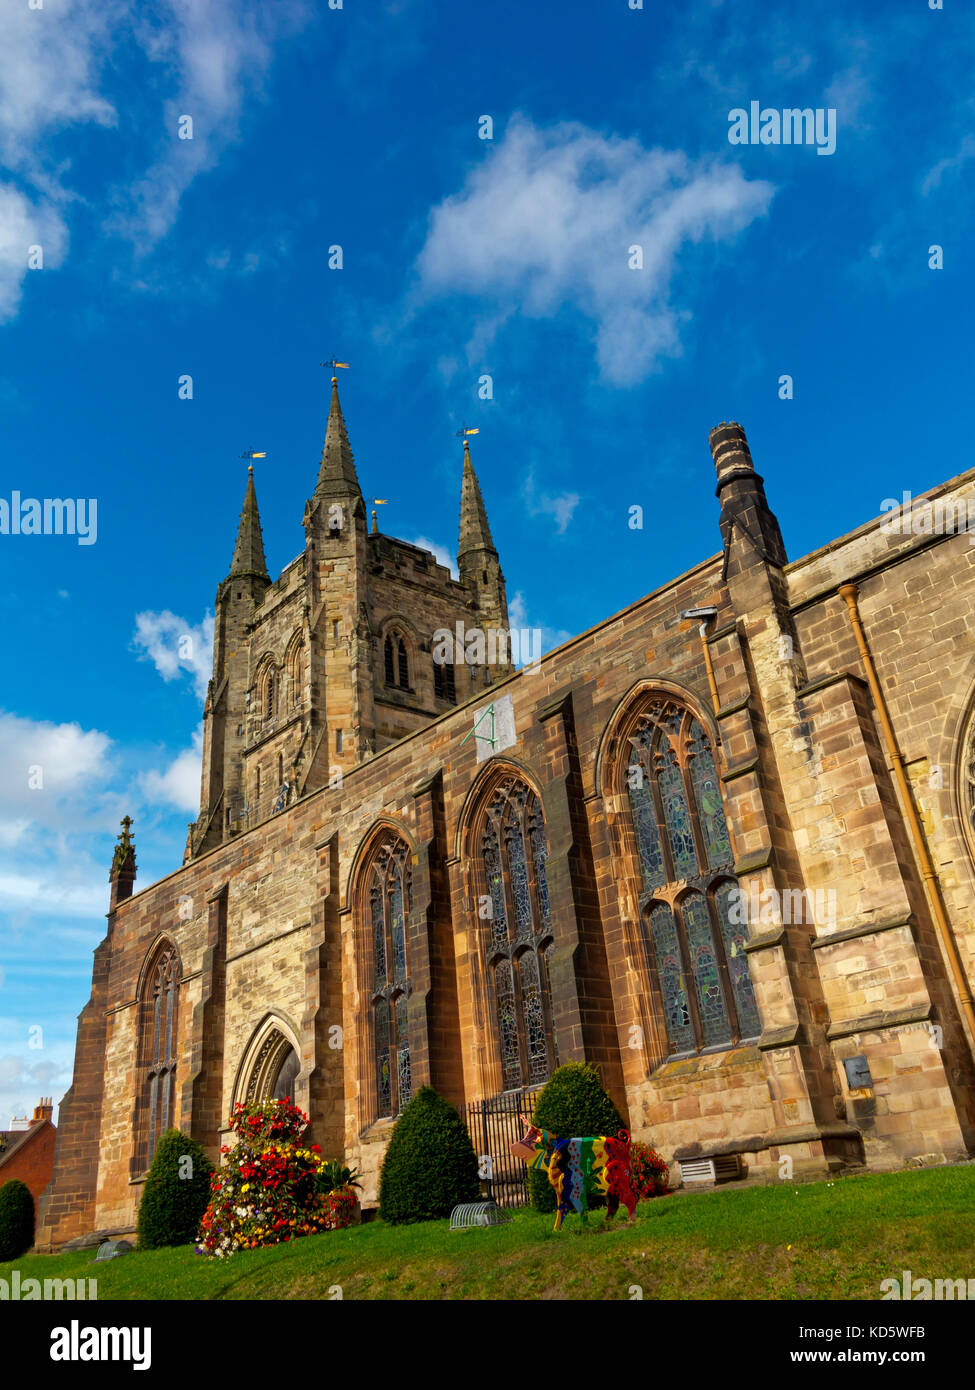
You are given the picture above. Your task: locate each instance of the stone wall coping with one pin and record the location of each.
(727, 710)
(882, 1018)
(750, 863)
(765, 940)
(834, 938)
(790, 1035)
(824, 682)
(739, 770)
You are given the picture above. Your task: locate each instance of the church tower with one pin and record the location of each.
(335, 659)
(340, 674)
(225, 710)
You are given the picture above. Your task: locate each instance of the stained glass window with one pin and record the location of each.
(507, 1024)
(514, 855)
(540, 856)
(158, 1045)
(399, 928)
(645, 823)
(681, 835)
(670, 972)
(379, 936)
(735, 934)
(519, 879)
(708, 798)
(707, 973)
(383, 1076)
(388, 873)
(403, 1077)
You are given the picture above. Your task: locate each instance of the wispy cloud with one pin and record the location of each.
(559, 505)
(547, 222)
(178, 785)
(175, 646)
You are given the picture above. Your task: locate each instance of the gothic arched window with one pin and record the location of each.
(396, 661)
(294, 672)
(693, 924)
(158, 1026)
(388, 913)
(444, 683)
(513, 851)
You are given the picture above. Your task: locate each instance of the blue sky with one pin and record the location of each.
(359, 127)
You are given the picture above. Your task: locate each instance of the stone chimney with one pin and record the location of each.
(748, 526)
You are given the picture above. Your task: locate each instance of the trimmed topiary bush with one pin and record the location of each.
(175, 1194)
(572, 1103)
(430, 1166)
(16, 1219)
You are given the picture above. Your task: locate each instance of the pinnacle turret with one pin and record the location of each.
(337, 475)
(475, 533)
(249, 550)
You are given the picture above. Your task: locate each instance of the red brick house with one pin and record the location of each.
(28, 1154)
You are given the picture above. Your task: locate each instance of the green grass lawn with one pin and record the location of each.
(815, 1241)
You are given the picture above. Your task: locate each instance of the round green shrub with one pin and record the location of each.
(175, 1194)
(16, 1219)
(572, 1104)
(430, 1166)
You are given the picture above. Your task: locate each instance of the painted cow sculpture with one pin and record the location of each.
(579, 1169)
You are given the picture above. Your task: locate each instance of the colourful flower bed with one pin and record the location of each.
(272, 1188)
(649, 1173)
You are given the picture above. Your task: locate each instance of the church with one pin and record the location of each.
(721, 845)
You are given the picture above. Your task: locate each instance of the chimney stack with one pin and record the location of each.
(44, 1111)
(748, 525)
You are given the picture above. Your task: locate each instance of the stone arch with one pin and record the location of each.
(502, 842)
(379, 895)
(293, 666)
(626, 714)
(272, 1046)
(398, 652)
(493, 771)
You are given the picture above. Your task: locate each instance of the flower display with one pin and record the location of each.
(648, 1172)
(273, 1188)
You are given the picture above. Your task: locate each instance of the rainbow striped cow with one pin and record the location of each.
(579, 1169)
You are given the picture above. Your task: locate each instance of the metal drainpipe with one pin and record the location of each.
(849, 592)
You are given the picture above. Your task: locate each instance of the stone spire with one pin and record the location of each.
(337, 475)
(475, 533)
(249, 550)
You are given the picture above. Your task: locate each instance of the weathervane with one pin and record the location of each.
(463, 432)
(254, 454)
(333, 364)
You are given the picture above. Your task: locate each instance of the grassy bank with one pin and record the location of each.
(816, 1241)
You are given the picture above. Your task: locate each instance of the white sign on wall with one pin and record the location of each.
(494, 727)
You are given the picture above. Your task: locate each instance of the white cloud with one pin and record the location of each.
(518, 618)
(444, 557)
(175, 646)
(179, 785)
(950, 165)
(25, 225)
(560, 505)
(59, 64)
(546, 222)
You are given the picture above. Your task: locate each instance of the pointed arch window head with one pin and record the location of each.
(387, 908)
(689, 892)
(267, 693)
(396, 661)
(158, 1042)
(513, 891)
(444, 681)
(295, 672)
